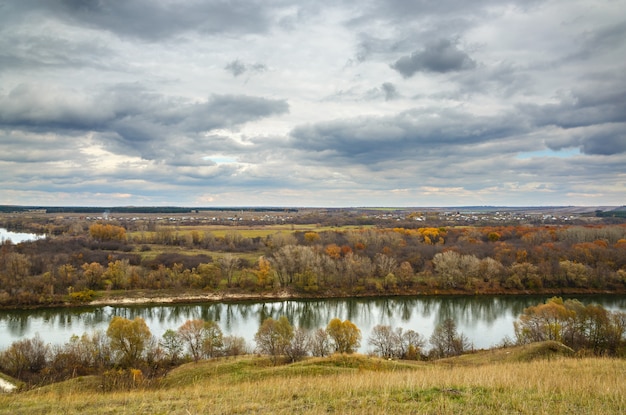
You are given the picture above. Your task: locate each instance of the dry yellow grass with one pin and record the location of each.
(357, 385)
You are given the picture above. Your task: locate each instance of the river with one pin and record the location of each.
(17, 237)
(485, 320)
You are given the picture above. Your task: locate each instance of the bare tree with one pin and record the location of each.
(384, 340)
(446, 341)
(320, 343)
(299, 345)
(400, 344)
(228, 265)
(234, 346)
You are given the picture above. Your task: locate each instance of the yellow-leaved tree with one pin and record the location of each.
(345, 335)
(128, 339)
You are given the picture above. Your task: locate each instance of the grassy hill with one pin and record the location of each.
(534, 379)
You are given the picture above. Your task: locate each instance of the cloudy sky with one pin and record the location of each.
(313, 103)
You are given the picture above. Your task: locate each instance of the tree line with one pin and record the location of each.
(76, 265)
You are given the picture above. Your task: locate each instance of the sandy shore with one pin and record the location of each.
(213, 297)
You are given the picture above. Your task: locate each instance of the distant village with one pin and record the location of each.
(333, 216)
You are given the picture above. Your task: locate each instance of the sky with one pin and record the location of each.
(313, 103)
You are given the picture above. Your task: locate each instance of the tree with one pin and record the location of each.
(446, 341)
(28, 355)
(589, 327)
(384, 341)
(311, 237)
(390, 343)
(213, 339)
(228, 265)
(455, 269)
(573, 274)
(107, 232)
(385, 264)
(234, 346)
(542, 322)
(320, 343)
(345, 335)
(203, 338)
(411, 343)
(92, 273)
(128, 338)
(405, 274)
(98, 347)
(173, 345)
(264, 273)
(210, 275)
(66, 275)
(299, 345)
(117, 274)
(292, 260)
(273, 337)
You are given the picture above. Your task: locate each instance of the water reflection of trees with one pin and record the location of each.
(406, 312)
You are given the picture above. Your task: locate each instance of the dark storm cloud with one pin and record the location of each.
(441, 56)
(153, 20)
(237, 67)
(132, 117)
(408, 134)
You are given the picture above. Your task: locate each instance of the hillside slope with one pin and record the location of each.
(528, 380)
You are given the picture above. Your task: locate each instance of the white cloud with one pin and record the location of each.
(330, 103)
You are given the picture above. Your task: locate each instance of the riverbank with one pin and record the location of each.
(147, 297)
(140, 298)
(144, 298)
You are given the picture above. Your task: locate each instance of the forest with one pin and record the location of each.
(81, 260)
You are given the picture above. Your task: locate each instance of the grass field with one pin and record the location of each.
(156, 250)
(261, 231)
(537, 379)
(220, 231)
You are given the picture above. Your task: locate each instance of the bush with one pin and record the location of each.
(84, 296)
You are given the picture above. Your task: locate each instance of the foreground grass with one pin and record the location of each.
(353, 384)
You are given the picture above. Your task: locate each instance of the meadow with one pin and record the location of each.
(540, 378)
